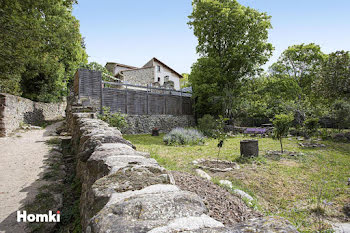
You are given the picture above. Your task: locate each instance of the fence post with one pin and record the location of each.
(182, 104)
(101, 94)
(126, 99)
(147, 101)
(164, 102)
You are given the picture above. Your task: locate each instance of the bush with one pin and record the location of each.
(325, 135)
(311, 126)
(113, 119)
(281, 125)
(341, 137)
(341, 113)
(181, 136)
(207, 125)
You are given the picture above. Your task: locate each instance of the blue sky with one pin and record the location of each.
(134, 31)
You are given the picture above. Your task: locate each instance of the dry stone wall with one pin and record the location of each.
(124, 190)
(15, 110)
(143, 124)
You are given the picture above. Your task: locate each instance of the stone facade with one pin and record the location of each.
(154, 72)
(124, 190)
(15, 110)
(165, 75)
(143, 124)
(143, 76)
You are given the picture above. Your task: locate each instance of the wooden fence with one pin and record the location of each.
(132, 99)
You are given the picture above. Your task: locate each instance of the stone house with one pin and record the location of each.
(154, 73)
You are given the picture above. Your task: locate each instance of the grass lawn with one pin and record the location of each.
(308, 190)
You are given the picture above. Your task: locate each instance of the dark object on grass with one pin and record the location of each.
(220, 143)
(249, 148)
(155, 132)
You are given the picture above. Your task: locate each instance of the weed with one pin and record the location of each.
(53, 141)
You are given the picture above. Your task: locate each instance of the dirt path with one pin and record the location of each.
(21, 165)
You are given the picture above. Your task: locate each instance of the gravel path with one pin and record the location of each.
(21, 165)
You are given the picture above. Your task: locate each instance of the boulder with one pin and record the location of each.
(146, 209)
(264, 224)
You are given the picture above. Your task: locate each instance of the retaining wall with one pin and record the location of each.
(143, 124)
(15, 110)
(124, 190)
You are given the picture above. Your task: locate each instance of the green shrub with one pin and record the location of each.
(181, 136)
(207, 125)
(113, 119)
(281, 124)
(311, 126)
(341, 113)
(325, 134)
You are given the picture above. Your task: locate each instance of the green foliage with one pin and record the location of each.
(311, 126)
(207, 125)
(98, 67)
(204, 77)
(113, 119)
(334, 80)
(212, 127)
(341, 112)
(184, 82)
(181, 136)
(282, 124)
(264, 97)
(232, 43)
(219, 132)
(300, 62)
(41, 47)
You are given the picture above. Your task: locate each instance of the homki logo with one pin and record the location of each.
(51, 217)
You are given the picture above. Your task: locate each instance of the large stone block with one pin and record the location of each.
(143, 210)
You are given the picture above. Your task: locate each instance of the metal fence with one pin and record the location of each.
(132, 99)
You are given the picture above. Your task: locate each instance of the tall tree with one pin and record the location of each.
(232, 41)
(334, 80)
(41, 47)
(301, 63)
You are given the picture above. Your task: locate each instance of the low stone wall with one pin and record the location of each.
(124, 190)
(143, 124)
(15, 110)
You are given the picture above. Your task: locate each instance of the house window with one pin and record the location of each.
(166, 78)
(158, 79)
(158, 68)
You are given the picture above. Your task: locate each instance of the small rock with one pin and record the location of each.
(341, 227)
(236, 166)
(203, 174)
(226, 183)
(264, 224)
(195, 162)
(64, 134)
(34, 127)
(243, 194)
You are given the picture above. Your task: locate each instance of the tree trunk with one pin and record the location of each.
(281, 145)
